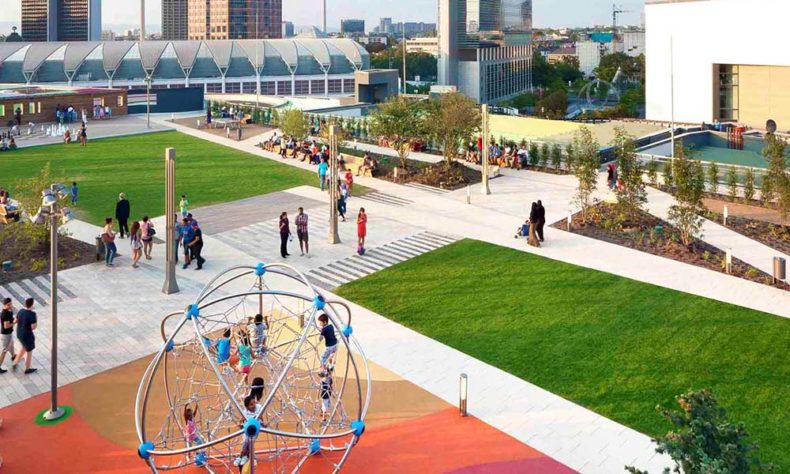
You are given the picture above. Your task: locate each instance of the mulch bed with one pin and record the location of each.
(438, 175)
(773, 235)
(31, 263)
(642, 235)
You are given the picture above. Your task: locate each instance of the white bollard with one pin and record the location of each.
(728, 260)
(570, 220)
(469, 194)
(726, 214)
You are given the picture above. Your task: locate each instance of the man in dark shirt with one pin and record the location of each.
(122, 213)
(26, 323)
(6, 332)
(196, 245)
(186, 237)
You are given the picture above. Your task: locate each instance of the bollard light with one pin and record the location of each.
(728, 260)
(726, 215)
(570, 220)
(469, 194)
(463, 386)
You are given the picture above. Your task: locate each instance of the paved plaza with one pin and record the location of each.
(110, 316)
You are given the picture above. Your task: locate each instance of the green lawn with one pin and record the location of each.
(206, 172)
(617, 346)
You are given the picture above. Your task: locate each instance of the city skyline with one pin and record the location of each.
(547, 13)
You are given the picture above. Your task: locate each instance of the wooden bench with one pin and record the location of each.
(353, 163)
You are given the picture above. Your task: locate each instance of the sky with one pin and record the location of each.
(547, 13)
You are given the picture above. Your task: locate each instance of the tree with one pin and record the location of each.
(556, 156)
(586, 161)
(703, 440)
(632, 68)
(713, 177)
(669, 179)
(554, 105)
(451, 121)
(775, 153)
(748, 186)
(400, 121)
(293, 123)
(690, 185)
(545, 154)
(732, 183)
(652, 172)
(343, 133)
(631, 195)
(569, 156)
(534, 154)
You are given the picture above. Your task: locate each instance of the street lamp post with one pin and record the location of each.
(334, 237)
(485, 189)
(148, 99)
(171, 285)
(49, 208)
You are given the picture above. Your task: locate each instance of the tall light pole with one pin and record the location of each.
(672, 91)
(49, 208)
(148, 99)
(485, 189)
(171, 285)
(324, 25)
(334, 237)
(403, 38)
(142, 20)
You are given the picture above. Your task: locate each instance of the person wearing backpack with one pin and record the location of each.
(148, 233)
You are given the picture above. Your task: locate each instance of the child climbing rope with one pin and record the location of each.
(328, 336)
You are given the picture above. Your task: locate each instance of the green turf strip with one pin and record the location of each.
(614, 345)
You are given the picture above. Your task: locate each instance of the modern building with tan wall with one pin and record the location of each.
(234, 19)
(742, 77)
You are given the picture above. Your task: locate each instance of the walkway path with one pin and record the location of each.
(747, 250)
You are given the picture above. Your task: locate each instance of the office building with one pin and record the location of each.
(352, 27)
(288, 29)
(385, 26)
(61, 20)
(412, 28)
(319, 67)
(428, 45)
(234, 19)
(175, 24)
(633, 43)
(485, 47)
(746, 81)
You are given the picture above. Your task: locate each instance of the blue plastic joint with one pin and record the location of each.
(252, 427)
(348, 331)
(144, 451)
(314, 448)
(358, 427)
(200, 459)
(319, 302)
(260, 269)
(169, 346)
(192, 311)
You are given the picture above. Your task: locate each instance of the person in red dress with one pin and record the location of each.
(362, 227)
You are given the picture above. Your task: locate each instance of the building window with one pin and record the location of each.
(31, 108)
(2, 110)
(335, 86)
(728, 92)
(120, 101)
(284, 88)
(302, 87)
(348, 85)
(269, 88)
(19, 108)
(318, 87)
(38, 106)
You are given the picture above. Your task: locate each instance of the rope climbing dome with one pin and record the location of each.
(306, 409)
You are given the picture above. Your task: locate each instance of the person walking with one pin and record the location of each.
(342, 193)
(108, 237)
(285, 232)
(74, 193)
(362, 229)
(83, 135)
(186, 238)
(183, 204)
(533, 221)
(26, 324)
(147, 236)
(541, 220)
(6, 333)
(122, 212)
(196, 245)
(136, 243)
(301, 232)
(323, 167)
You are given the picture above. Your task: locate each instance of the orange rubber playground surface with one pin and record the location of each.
(408, 430)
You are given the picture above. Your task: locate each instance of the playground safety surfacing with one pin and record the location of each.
(408, 430)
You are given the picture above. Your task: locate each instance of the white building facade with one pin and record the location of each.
(743, 78)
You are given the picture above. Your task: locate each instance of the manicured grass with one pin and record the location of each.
(614, 345)
(206, 172)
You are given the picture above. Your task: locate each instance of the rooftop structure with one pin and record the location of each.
(743, 81)
(279, 67)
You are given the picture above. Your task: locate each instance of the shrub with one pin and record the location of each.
(713, 177)
(748, 186)
(556, 156)
(545, 154)
(534, 154)
(652, 172)
(732, 183)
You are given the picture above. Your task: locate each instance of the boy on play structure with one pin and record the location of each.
(328, 336)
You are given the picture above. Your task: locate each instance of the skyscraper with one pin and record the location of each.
(485, 47)
(234, 19)
(61, 20)
(350, 26)
(175, 19)
(385, 25)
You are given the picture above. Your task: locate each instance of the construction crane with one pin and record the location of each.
(616, 11)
